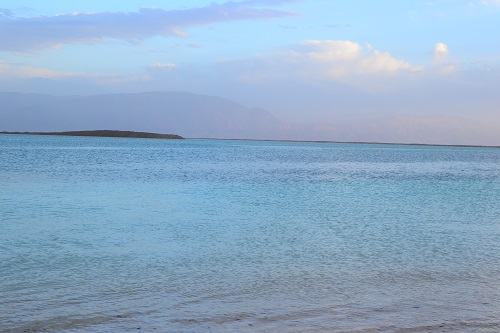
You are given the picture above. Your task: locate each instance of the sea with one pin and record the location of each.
(147, 235)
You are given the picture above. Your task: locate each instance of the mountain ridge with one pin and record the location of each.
(188, 114)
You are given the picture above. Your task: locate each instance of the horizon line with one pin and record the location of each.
(267, 140)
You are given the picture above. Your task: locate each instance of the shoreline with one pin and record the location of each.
(149, 135)
(356, 142)
(105, 134)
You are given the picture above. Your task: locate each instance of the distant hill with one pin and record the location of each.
(186, 114)
(105, 134)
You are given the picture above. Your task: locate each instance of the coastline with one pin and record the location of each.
(356, 142)
(149, 135)
(106, 134)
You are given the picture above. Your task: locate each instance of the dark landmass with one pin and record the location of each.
(106, 134)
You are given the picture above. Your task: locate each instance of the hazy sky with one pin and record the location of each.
(392, 69)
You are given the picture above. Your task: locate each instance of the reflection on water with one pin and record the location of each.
(107, 234)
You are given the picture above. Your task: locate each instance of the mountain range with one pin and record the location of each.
(200, 116)
(187, 114)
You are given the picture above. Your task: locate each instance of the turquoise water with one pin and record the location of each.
(113, 235)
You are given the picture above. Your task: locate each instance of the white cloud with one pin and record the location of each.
(322, 62)
(441, 60)
(332, 50)
(441, 52)
(21, 34)
(162, 65)
(24, 71)
(338, 58)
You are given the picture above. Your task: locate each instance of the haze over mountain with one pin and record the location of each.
(190, 115)
(200, 116)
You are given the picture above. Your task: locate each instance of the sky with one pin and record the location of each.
(391, 70)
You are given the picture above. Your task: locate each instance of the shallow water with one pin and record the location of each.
(112, 235)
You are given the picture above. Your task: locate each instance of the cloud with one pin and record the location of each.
(440, 52)
(340, 58)
(268, 2)
(441, 61)
(162, 65)
(312, 60)
(42, 32)
(9, 71)
(28, 78)
(26, 71)
(6, 13)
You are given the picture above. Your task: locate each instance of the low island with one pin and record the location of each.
(106, 134)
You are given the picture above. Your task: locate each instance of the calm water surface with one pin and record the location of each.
(112, 235)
